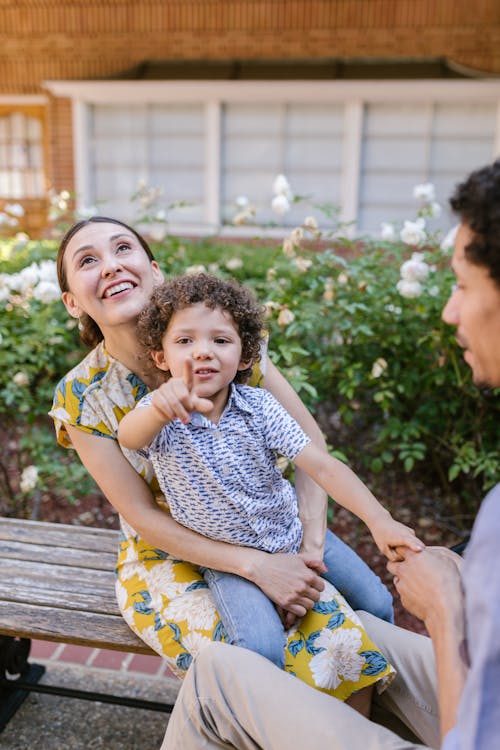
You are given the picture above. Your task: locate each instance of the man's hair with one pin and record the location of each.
(191, 289)
(477, 202)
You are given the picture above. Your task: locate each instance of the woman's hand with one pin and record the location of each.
(288, 581)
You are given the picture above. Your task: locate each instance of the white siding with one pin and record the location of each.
(360, 146)
(407, 144)
(302, 141)
(161, 144)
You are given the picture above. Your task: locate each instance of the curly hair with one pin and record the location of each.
(477, 202)
(191, 289)
(90, 333)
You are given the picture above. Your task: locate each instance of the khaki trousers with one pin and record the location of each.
(234, 698)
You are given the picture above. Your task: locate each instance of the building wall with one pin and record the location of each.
(87, 39)
(81, 39)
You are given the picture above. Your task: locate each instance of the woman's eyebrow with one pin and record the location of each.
(85, 248)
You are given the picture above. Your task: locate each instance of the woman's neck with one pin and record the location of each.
(122, 344)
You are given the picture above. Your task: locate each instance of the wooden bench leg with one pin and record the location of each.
(14, 654)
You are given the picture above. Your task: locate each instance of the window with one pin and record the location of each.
(22, 172)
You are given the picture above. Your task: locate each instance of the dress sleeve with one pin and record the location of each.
(259, 368)
(69, 407)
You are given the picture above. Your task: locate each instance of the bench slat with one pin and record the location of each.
(59, 555)
(24, 593)
(59, 535)
(60, 577)
(104, 631)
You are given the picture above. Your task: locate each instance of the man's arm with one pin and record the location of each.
(430, 587)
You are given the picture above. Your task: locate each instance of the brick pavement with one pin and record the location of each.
(47, 653)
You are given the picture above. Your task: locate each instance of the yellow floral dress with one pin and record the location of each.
(166, 601)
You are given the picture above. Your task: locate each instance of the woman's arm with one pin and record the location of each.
(285, 579)
(312, 499)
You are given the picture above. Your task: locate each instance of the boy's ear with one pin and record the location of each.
(244, 365)
(159, 359)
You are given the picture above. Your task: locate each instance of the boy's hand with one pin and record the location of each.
(390, 534)
(177, 398)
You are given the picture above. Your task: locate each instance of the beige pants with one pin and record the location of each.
(233, 698)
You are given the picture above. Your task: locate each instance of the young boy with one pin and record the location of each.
(213, 444)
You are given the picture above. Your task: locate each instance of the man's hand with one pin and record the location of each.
(428, 581)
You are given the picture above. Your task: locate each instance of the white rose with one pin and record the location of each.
(234, 263)
(280, 204)
(242, 201)
(15, 282)
(378, 367)
(296, 236)
(29, 479)
(213, 267)
(46, 292)
(409, 289)
(448, 241)
(387, 231)
(342, 278)
(414, 270)
(303, 264)
(412, 233)
(285, 317)
(29, 277)
(435, 210)
(425, 192)
(47, 271)
(21, 379)
(288, 247)
(311, 223)
(281, 186)
(434, 291)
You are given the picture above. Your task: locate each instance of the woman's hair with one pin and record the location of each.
(184, 291)
(90, 333)
(477, 202)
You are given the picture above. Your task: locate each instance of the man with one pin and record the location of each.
(234, 699)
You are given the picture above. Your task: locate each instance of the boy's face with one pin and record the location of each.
(474, 308)
(209, 338)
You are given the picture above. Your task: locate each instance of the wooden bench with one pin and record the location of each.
(57, 584)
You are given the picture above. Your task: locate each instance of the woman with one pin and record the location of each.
(107, 274)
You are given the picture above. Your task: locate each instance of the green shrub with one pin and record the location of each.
(380, 362)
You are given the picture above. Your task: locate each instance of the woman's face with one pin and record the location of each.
(109, 275)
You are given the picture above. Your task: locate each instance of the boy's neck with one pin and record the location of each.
(219, 400)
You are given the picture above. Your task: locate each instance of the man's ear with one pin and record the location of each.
(159, 359)
(71, 304)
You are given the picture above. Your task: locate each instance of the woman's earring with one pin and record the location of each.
(80, 325)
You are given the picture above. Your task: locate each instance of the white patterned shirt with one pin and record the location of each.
(222, 481)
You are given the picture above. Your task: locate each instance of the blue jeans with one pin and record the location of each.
(250, 618)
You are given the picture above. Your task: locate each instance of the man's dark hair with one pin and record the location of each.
(477, 202)
(184, 291)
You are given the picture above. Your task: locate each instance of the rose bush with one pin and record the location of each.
(354, 326)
